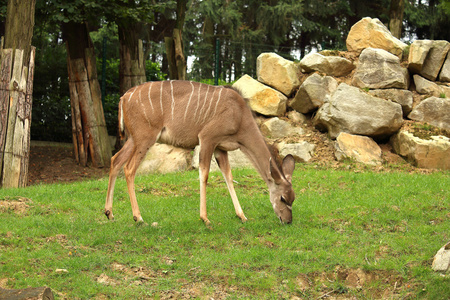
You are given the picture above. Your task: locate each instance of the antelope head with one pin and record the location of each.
(280, 188)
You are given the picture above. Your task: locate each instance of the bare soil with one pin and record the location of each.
(55, 162)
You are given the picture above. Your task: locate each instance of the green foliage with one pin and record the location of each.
(428, 20)
(343, 220)
(51, 114)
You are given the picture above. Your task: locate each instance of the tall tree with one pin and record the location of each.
(90, 136)
(17, 69)
(174, 44)
(396, 17)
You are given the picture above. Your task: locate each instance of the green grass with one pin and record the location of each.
(381, 228)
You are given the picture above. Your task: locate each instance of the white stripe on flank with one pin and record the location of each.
(198, 99)
(189, 102)
(131, 95)
(143, 108)
(149, 96)
(210, 103)
(217, 102)
(203, 107)
(160, 97)
(173, 100)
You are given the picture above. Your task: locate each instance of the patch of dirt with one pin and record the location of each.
(18, 205)
(344, 283)
(55, 162)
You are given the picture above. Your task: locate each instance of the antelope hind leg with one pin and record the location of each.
(117, 162)
(224, 165)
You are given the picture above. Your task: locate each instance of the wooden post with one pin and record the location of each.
(39, 293)
(16, 101)
(89, 133)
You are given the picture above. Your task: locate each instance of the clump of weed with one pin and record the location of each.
(425, 131)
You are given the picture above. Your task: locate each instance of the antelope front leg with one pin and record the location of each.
(203, 181)
(204, 164)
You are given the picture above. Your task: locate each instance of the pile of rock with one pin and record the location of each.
(363, 102)
(360, 98)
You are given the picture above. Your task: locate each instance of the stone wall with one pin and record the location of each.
(372, 94)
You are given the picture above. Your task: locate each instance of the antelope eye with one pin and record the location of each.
(283, 200)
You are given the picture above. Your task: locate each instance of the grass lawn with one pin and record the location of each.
(355, 235)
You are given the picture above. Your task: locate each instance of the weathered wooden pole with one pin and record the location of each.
(16, 88)
(89, 134)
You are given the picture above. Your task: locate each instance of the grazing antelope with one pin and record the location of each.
(186, 114)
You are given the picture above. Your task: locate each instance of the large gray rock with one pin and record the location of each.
(277, 72)
(313, 93)
(418, 52)
(426, 87)
(297, 117)
(262, 99)
(275, 128)
(237, 160)
(441, 261)
(162, 158)
(445, 72)
(379, 69)
(353, 111)
(302, 151)
(331, 65)
(371, 33)
(433, 110)
(430, 154)
(435, 59)
(360, 148)
(402, 97)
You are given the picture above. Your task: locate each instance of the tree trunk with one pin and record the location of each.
(16, 89)
(174, 45)
(132, 63)
(89, 134)
(396, 17)
(39, 293)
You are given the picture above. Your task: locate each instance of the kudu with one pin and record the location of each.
(186, 114)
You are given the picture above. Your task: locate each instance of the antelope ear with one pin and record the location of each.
(288, 167)
(275, 173)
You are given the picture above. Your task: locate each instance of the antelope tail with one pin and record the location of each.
(121, 122)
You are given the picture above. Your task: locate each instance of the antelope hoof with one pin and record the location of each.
(243, 218)
(206, 221)
(109, 214)
(138, 219)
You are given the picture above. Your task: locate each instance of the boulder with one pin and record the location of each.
(445, 72)
(441, 261)
(237, 160)
(354, 111)
(435, 59)
(302, 151)
(262, 99)
(426, 87)
(402, 97)
(379, 69)
(331, 65)
(433, 110)
(360, 148)
(277, 72)
(418, 51)
(430, 154)
(162, 158)
(275, 128)
(313, 93)
(297, 117)
(372, 33)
